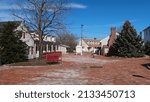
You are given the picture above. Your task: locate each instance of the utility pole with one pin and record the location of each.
(81, 33)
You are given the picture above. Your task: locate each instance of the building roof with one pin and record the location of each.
(92, 42)
(146, 28)
(64, 45)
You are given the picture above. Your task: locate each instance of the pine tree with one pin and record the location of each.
(128, 43)
(12, 49)
(147, 48)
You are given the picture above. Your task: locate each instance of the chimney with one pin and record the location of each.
(112, 36)
(113, 31)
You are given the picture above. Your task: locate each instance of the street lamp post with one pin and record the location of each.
(81, 33)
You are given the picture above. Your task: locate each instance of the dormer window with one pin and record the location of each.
(45, 37)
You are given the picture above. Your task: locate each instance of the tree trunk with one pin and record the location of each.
(40, 47)
(42, 16)
(40, 33)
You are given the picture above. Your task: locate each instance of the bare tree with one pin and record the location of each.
(43, 16)
(68, 39)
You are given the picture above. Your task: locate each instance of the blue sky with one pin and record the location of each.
(97, 16)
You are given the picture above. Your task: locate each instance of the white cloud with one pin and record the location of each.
(70, 5)
(76, 5)
(8, 7)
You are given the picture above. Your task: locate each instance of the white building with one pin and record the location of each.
(104, 41)
(104, 47)
(89, 45)
(147, 34)
(32, 41)
(27, 38)
(62, 48)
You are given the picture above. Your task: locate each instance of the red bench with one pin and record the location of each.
(53, 56)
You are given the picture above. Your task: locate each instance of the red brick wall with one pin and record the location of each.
(112, 37)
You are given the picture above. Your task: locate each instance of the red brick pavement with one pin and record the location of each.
(81, 70)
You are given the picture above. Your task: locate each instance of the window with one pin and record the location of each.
(28, 50)
(54, 48)
(44, 47)
(57, 47)
(50, 48)
(31, 50)
(37, 48)
(23, 35)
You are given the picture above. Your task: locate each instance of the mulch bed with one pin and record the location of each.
(33, 62)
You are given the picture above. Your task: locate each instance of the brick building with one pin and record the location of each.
(107, 42)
